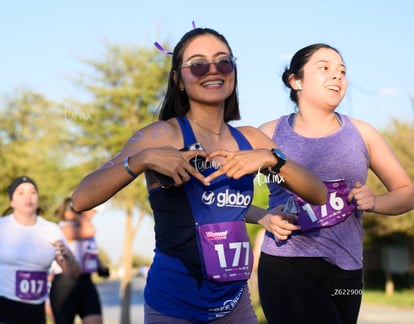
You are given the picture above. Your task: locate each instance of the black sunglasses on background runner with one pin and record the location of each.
(200, 67)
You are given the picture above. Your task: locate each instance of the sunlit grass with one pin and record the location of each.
(400, 298)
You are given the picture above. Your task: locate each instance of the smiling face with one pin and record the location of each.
(213, 87)
(324, 80)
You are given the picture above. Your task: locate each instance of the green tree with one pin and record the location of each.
(400, 136)
(383, 230)
(34, 141)
(125, 86)
(256, 232)
(139, 261)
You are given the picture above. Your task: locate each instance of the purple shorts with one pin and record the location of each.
(243, 313)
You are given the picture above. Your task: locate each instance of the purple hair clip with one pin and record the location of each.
(163, 50)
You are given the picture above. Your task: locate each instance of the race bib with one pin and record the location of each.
(89, 262)
(336, 209)
(31, 285)
(226, 251)
(90, 259)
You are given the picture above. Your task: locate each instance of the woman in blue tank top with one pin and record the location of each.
(313, 272)
(202, 255)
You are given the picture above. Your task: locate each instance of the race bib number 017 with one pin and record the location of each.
(226, 251)
(31, 285)
(336, 209)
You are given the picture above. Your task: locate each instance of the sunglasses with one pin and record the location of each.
(199, 68)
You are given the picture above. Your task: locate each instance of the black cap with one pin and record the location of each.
(17, 182)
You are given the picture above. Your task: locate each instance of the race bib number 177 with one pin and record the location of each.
(226, 251)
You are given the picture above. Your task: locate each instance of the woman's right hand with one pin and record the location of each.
(170, 162)
(279, 223)
(66, 260)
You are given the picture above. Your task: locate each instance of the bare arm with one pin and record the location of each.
(293, 176)
(399, 197)
(65, 259)
(275, 221)
(154, 147)
(255, 214)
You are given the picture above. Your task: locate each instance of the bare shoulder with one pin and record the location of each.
(256, 137)
(365, 129)
(269, 127)
(160, 130)
(373, 140)
(158, 133)
(250, 131)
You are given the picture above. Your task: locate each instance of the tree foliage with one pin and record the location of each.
(125, 86)
(34, 141)
(400, 136)
(57, 144)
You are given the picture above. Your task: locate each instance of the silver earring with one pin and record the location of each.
(297, 82)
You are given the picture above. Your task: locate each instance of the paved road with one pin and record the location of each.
(109, 292)
(372, 314)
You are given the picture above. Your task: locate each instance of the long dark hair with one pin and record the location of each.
(176, 102)
(63, 207)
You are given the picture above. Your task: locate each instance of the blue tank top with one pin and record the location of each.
(176, 282)
(341, 155)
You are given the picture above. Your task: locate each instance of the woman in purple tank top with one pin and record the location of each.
(310, 270)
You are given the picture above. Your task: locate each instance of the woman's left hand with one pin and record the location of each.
(363, 196)
(239, 163)
(65, 258)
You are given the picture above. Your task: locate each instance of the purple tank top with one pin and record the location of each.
(341, 155)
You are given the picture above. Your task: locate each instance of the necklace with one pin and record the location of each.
(198, 124)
